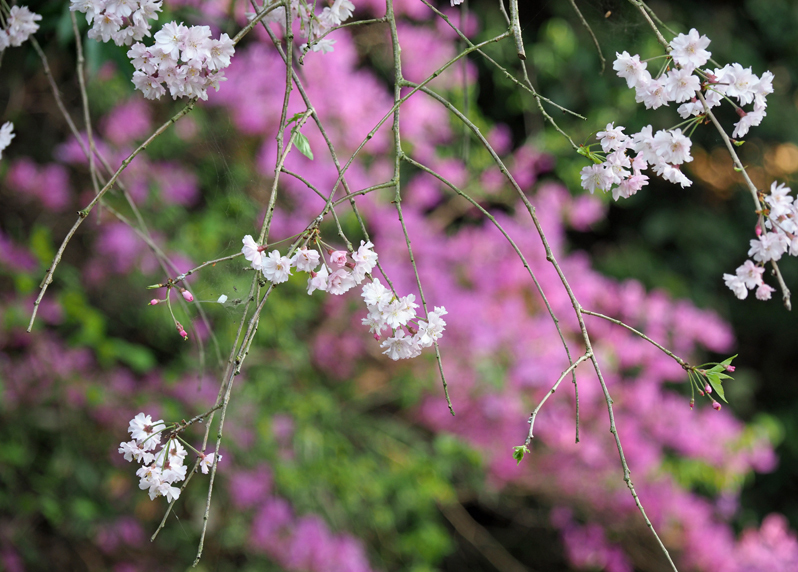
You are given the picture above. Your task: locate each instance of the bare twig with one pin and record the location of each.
(686, 366)
(481, 539)
(520, 255)
(549, 393)
(515, 26)
(82, 214)
(577, 310)
(645, 11)
(592, 35)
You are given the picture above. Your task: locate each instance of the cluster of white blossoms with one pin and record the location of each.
(20, 24)
(312, 26)
(666, 150)
(662, 151)
(160, 468)
(186, 61)
(398, 314)
(6, 135)
(123, 21)
(342, 273)
(337, 277)
(779, 236)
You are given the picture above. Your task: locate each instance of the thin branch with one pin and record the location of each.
(481, 539)
(785, 292)
(577, 310)
(685, 366)
(163, 259)
(254, 22)
(515, 26)
(498, 66)
(82, 214)
(520, 255)
(592, 35)
(549, 393)
(331, 30)
(657, 19)
(84, 97)
(645, 11)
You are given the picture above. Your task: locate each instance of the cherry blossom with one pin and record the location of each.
(276, 268)
(690, 50)
(6, 135)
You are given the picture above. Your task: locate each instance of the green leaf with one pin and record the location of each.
(727, 361)
(518, 453)
(302, 144)
(717, 384)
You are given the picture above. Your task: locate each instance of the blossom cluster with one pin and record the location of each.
(666, 150)
(184, 60)
(160, 468)
(341, 274)
(312, 26)
(20, 24)
(388, 312)
(122, 21)
(663, 151)
(682, 83)
(779, 236)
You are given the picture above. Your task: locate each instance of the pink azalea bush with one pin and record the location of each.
(501, 351)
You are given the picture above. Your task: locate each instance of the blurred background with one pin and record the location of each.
(334, 457)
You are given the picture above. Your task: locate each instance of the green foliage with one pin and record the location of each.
(519, 452)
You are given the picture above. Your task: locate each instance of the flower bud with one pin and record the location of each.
(730, 368)
(153, 302)
(187, 296)
(758, 230)
(716, 406)
(692, 403)
(708, 388)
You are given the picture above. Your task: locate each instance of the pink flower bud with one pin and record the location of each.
(184, 334)
(692, 403)
(708, 388)
(187, 295)
(153, 302)
(701, 393)
(758, 230)
(716, 406)
(730, 368)
(377, 337)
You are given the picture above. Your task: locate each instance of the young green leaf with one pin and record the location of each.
(717, 383)
(302, 144)
(518, 453)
